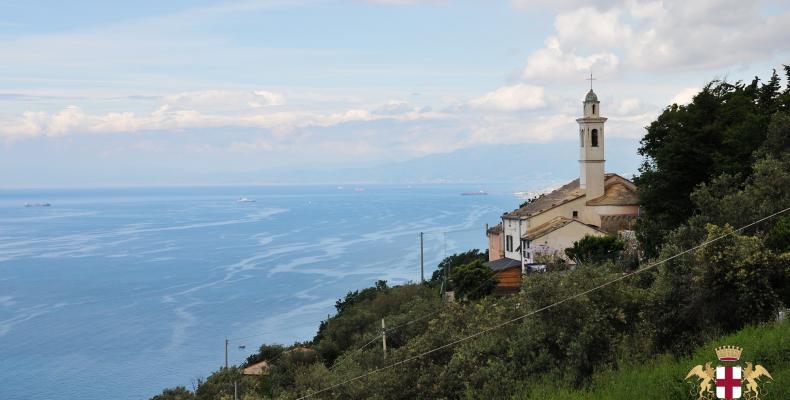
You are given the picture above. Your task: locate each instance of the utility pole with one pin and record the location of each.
(446, 267)
(235, 390)
(384, 338)
(422, 270)
(226, 353)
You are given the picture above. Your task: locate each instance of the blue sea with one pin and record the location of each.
(119, 293)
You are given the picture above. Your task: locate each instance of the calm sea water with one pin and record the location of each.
(118, 293)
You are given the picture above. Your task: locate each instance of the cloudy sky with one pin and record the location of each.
(165, 91)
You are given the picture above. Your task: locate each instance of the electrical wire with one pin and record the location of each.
(536, 311)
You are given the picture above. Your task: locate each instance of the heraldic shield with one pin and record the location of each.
(728, 381)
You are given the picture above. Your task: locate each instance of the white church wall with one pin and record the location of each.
(559, 240)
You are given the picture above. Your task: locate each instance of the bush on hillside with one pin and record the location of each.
(595, 249)
(454, 261)
(473, 281)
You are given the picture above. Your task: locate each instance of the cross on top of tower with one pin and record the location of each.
(590, 79)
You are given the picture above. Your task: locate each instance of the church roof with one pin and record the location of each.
(553, 225)
(591, 97)
(617, 191)
(568, 192)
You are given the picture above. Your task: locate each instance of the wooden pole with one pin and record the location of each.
(422, 270)
(384, 338)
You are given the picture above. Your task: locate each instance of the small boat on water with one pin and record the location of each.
(478, 193)
(44, 204)
(245, 200)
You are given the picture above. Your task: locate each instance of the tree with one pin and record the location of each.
(266, 352)
(595, 249)
(473, 281)
(719, 132)
(736, 277)
(176, 393)
(456, 260)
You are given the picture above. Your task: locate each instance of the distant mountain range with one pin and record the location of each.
(535, 162)
(529, 166)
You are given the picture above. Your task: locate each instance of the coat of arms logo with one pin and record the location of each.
(728, 381)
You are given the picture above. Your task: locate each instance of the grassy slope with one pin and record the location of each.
(663, 378)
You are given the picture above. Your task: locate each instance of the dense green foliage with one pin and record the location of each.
(593, 332)
(660, 378)
(473, 281)
(595, 249)
(720, 132)
(360, 314)
(454, 261)
(177, 393)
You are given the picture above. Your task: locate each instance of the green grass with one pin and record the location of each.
(662, 378)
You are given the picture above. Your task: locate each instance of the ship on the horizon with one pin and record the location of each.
(245, 200)
(477, 193)
(44, 204)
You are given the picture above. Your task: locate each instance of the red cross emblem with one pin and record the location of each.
(728, 382)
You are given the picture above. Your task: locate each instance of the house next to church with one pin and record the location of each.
(597, 203)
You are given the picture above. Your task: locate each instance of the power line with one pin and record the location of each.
(510, 321)
(348, 357)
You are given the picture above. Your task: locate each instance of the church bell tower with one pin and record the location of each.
(591, 141)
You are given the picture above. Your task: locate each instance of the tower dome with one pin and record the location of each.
(591, 97)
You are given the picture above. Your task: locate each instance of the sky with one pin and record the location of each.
(196, 92)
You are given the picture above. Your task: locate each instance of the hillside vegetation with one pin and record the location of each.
(662, 378)
(607, 334)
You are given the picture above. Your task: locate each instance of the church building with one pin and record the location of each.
(597, 203)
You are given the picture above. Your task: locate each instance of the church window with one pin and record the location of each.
(581, 137)
(593, 109)
(594, 138)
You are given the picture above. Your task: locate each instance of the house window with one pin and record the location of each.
(509, 243)
(575, 214)
(594, 138)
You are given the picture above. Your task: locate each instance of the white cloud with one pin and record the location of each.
(553, 64)
(670, 35)
(269, 98)
(175, 116)
(224, 99)
(529, 5)
(510, 129)
(685, 96)
(511, 98)
(592, 28)
(628, 106)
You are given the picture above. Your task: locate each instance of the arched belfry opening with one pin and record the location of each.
(581, 138)
(594, 138)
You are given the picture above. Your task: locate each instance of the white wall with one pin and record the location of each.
(511, 227)
(560, 240)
